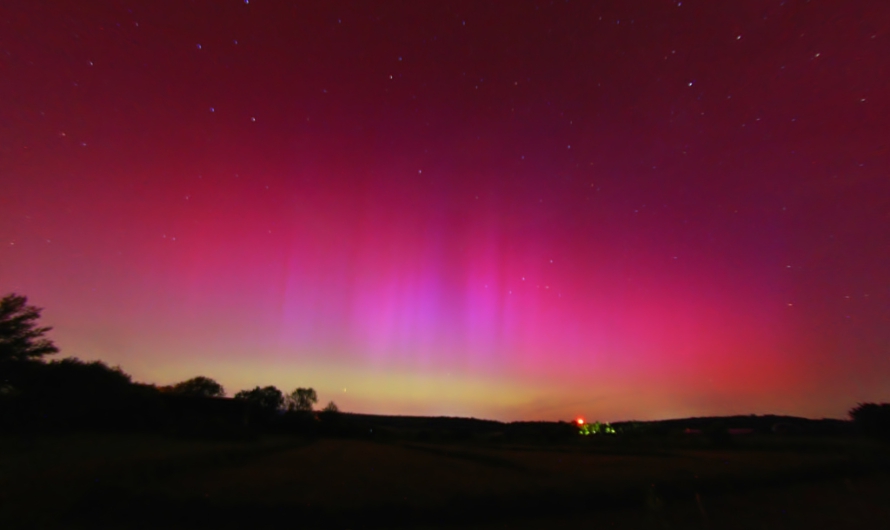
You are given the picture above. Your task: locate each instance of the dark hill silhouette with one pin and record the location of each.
(761, 424)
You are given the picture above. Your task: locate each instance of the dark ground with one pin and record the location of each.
(154, 481)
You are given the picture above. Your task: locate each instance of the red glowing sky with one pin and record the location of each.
(511, 210)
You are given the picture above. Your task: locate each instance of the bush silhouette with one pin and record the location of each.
(71, 393)
(872, 419)
(199, 387)
(269, 398)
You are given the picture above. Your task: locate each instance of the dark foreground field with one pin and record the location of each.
(142, 481)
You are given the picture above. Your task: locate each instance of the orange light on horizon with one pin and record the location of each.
(580, 421)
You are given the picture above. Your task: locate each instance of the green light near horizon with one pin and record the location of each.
(596, 428)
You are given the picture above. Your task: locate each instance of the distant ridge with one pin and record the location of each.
(769, 423)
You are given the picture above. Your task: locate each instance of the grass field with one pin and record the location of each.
(142, 481)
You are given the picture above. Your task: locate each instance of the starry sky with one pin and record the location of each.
(507, 210)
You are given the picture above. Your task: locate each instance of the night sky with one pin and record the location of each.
(507, 210)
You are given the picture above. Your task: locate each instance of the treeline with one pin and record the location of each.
(70, 394)
(73, 395)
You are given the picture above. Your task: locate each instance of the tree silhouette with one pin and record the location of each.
(872, 419)
(74, 375)
(331, 421)
(20, 337)
(70, 393)
(268, 398)
(199, 387)
(302, 400)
